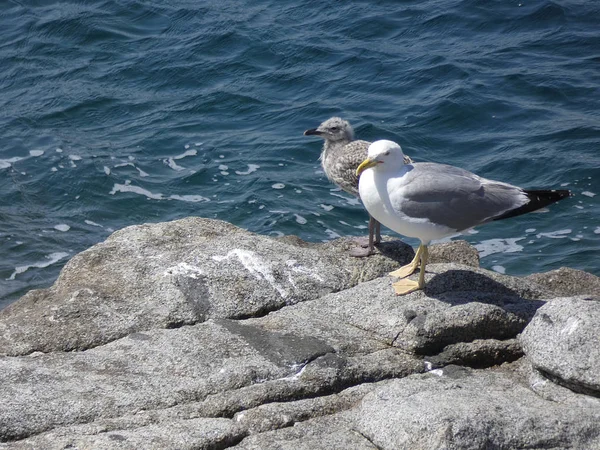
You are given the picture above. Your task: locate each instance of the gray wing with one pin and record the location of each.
(343, 162)
(454, 197)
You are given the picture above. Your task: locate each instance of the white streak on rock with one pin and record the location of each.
(256, 266)
(570, 326)
(184, 269)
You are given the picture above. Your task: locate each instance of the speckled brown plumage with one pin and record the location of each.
(340, 158)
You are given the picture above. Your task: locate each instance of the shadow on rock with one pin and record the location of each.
(459, 287)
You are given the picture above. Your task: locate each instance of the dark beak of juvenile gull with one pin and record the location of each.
(314, 131)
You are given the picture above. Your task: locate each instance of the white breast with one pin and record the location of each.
(381, 195)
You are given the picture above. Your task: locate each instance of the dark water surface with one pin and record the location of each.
(115, 113)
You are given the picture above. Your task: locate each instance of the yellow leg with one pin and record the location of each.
(405, 286)
(408, 269)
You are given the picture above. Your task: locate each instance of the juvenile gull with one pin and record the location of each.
(340, 157)
(430, 201)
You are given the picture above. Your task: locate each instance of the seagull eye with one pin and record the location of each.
(387, 153)
(334, 128)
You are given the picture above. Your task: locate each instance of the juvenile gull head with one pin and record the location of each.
(334, 129)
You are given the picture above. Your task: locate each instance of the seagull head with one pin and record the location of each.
(334, 129)
(388, 154)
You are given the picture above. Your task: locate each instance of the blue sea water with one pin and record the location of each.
(121, 112)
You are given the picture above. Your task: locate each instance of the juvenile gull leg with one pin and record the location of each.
(408, 269)
(377, 231)
(407, 286)
(366, 245)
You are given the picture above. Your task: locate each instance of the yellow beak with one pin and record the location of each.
(366, 164)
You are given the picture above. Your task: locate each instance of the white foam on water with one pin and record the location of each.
(94, 224)
(223, 167)
(332, 234)
(298, 191)
(360, 227)
(275, 233)
(173, 165)
(224, 173)
(54, 169)
(301, 220)
(597, 230)
(499, 269)
(251, 168)
(59, 150)
(491, 246)
(278, 186)
(578, 206)
(106, 170)
(134, 189)
(198, 144)
(349, 200)
(36, 152)
(50, 259)
(142, 173)
(127, 187)
(560, 234)
(6, 163)
(588, 194)
(62, 227)
(529, 230)
(75, 157)
(564, 184)
(344, 223)
(222, 156)
(190, 198)
(186, 146)
(326, 207)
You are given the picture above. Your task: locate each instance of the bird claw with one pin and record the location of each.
(404, 271)
(361, 252)
(404, 287)
(362, 241)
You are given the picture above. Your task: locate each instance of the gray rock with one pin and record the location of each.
(328, 433)
(177, 434)
(477, 304)
(463, 409)
(477, 354)
(170, 274)
(197, 334)
(565, 282)
(563, 343)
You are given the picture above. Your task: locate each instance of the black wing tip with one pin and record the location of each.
(537, 199)
(549, 193)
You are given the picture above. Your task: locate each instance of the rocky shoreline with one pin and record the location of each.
(198, 334)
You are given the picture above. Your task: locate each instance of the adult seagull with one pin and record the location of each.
(430, 201)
